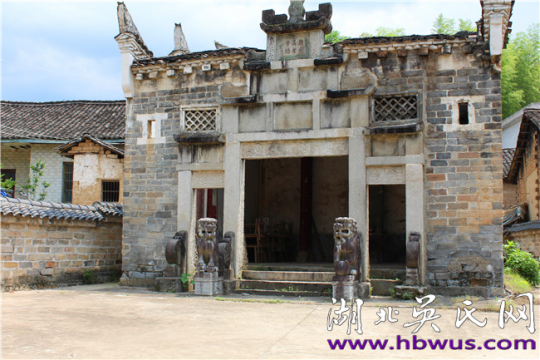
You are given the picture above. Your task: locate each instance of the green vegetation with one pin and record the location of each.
(272, 301)
(515, 282)
(521, 262)
(443, 25)
(520, 75)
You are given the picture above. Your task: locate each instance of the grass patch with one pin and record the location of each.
(271, 301)
(515, 282)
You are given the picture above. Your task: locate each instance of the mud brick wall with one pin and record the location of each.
(464, 180)
(527, 184)
(529, 240)
(45, 251)
(150, 175)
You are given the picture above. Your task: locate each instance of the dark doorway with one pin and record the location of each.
(387, 234)
(290, 207)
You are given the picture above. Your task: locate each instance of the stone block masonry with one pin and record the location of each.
(45, 251)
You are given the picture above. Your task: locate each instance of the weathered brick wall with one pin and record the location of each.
(464, 179)
(150, 175)
(529, 240)
(510, 195)
(39, 251)
(527, 183)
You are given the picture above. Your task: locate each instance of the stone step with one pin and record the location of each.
(383, 287)
(287, 286)
(292, 267)
(282, 293)
(288, 275)
(388, 274)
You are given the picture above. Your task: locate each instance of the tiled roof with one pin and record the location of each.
(531, 225)
(109, 208)
(63, 120)
(508, 156)
(403, 39)
(51, 210)
(192, 56)
(529, 124)
(63, 149)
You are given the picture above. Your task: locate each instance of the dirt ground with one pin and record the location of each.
(112, 322)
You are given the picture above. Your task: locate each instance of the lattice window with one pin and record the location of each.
(392, 108)
(110, 190)
(200, 120)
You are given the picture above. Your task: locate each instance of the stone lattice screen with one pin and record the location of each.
(200, 120)
(395, 108)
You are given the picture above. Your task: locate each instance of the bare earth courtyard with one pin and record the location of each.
(111, 322)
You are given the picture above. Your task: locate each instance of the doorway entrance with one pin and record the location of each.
(387, 234)
(290, 205)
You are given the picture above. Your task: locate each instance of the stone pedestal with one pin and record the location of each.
(344, 287)
(209, 284)
(362, 290)
(408, 292)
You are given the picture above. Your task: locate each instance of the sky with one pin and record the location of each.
(65, 50)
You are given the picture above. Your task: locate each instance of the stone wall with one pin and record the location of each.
(464, 179)
(44, 251)
(529, 240)
(150, 175)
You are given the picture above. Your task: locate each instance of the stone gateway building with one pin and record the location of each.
(402, 134)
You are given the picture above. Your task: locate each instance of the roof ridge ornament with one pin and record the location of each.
(296, 11)
(180, 43)
(298, 20)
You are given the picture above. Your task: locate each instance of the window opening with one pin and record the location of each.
(110, 190)
(67, 193)
(463, 113)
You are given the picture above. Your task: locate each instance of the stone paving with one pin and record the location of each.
(112, 322)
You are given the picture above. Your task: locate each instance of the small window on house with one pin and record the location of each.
(463, 113)
(67, 182)
(395, 108)
(151, 129)
(200, 120)
(8, 174)
(110, 190)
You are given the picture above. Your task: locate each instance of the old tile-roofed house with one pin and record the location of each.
(402, 134)
(31, 131)
(97, 169)
(524, 175)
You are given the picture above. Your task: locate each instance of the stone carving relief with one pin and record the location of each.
(207, 246)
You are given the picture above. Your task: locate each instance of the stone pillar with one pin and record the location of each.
(358, 204)
(233, 209)
(184, 219)
(414, 211)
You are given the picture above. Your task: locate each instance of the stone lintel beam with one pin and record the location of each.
(251, 99)
(199, 138)
(394, 129)
(256, 65)
(332, 60)
(333, 94)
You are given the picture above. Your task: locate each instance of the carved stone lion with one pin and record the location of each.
(207, 245)
(346, 242)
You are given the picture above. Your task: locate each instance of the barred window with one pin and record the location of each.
(200, 120)
(67, 193)
(395, 108)
(110, 190)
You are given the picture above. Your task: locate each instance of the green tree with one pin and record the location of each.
(385, 31)
(520, 74)
(33, 184)
(334, 37)
(443, 25)
(466, 25)
(6, 184)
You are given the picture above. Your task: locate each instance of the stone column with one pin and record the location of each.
(358, 205)
(414, 210)
(233, 209)
(184, 220)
